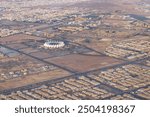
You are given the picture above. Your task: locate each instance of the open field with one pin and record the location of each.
(82, 63)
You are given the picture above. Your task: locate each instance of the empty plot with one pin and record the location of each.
(18, 38)
(33, 79)
(28, 50)
(82, 63)
(17, 46)
(40, 55)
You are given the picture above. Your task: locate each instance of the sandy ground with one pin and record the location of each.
(82, 63)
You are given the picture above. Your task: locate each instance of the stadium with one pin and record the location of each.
(54, 44)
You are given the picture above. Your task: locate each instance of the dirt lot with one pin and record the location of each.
(28, 50)
(18, 38)
(33, 79)
(17, 46)
(99, 46)
(41, 55)
(82, 63)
